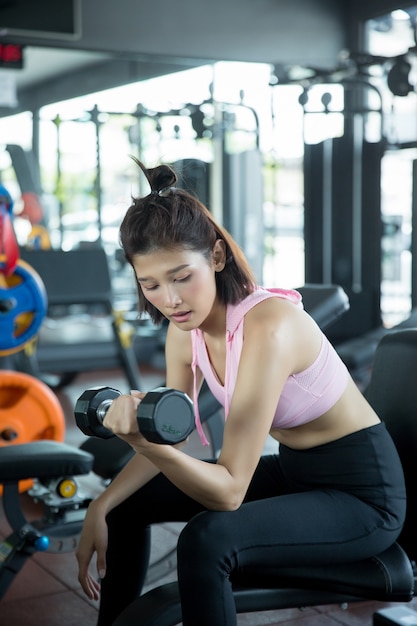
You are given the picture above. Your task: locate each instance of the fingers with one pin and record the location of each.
(137, 394)
(101, 566)
(90, 586)
(93, 541)
(121, 418)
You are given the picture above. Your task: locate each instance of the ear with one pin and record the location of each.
(219, 255)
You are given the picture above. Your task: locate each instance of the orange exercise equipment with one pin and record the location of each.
(29, 411)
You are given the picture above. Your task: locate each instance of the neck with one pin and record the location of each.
(215, 324)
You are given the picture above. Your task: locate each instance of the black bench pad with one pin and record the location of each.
(42, 459)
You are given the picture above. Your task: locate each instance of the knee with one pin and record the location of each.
(193, 538)
(204, 538)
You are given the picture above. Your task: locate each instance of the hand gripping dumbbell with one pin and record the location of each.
(164, 415)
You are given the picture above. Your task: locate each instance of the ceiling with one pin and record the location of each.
(132, 40)
(129, 40)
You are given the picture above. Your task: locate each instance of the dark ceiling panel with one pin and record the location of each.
(374, 8)
(241, 30)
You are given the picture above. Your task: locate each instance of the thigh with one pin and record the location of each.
(314, 527)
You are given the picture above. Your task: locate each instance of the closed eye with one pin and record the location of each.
(182, 279)
(150, 287)
(147, 287)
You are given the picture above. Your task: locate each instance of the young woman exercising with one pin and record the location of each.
(335, 491)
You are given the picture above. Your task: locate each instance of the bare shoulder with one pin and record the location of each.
(278, 313)
(286, 325)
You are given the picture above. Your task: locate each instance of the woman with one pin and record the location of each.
(335, 491)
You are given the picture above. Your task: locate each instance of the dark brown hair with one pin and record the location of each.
(170, 218)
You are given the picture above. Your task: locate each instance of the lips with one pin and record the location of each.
(181, 316)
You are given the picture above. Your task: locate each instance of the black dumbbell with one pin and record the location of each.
(164, 415)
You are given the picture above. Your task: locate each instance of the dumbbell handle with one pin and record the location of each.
(102, 409)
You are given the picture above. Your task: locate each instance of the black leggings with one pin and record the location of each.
(337, 502)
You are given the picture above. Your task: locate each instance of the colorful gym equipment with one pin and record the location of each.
(29, 411)
(23, 300)
(23, 306)
(32, 208)
(8, 243)
(38, 238)
(59, 517)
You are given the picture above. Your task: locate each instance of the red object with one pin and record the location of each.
(9, 248)
(11, 55)
(32, 207)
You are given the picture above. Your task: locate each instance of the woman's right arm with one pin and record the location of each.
(136, 473)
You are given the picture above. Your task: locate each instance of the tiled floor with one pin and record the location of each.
(46, 591)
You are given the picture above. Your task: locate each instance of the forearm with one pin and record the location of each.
(210, 484)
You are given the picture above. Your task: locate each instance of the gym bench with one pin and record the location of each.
(61, 522)
(387, 577)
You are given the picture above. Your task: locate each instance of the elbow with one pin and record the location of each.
(228, 502)
(225, 507)
(228, 492)
(232, 505)
(234, 502)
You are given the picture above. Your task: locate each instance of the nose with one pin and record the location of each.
(172, 298)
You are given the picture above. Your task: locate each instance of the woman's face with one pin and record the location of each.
(180, 283)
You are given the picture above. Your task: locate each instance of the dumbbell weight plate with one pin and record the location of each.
(23, 302)
(90, 410)
(166, 416)
(29, 411)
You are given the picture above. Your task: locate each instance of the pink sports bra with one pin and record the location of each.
(305, 396)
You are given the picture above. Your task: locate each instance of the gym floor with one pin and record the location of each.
(46, 590)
